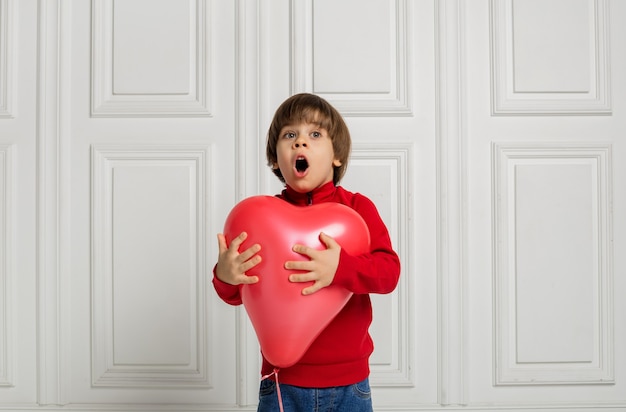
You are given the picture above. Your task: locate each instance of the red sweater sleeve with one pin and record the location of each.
(377, 271)
(228, 293)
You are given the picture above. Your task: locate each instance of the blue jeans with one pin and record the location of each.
(351, 398)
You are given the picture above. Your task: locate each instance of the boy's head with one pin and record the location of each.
(309, 108)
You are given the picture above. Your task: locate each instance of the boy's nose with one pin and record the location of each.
(299, 143)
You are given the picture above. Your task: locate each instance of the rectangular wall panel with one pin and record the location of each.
(553, 260)
(151, 47)
(556, 261)
(359, 64)
(355, 59)
(551, 50)
(380, 173)
(151, 58)
(149, 294)
(152, 240)
(6, 266)
(550, 57)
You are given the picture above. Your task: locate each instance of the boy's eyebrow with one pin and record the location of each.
(290, 127)
(285, 129)
(318, 125)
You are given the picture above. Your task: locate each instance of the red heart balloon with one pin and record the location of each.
(287, 322)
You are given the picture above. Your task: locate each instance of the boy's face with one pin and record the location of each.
(305, 156)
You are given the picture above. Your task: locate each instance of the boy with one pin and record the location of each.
(308, 145)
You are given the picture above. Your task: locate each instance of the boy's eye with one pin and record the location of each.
(290, 135)
(316, 134)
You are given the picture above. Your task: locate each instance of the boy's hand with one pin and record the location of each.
(231, 265)
(321, 267)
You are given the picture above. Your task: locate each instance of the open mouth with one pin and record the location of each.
(301, 164)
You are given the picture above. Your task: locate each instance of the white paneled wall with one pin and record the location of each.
(152, 59)
(544, 217)
(552, 274)
(489, 133)
(368, 54)
(140, 238)
(540, 67)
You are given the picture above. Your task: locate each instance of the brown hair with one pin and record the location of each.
(309, 108)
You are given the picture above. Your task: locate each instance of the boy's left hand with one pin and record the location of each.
(321, 266)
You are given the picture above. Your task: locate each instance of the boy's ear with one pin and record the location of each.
(275, 165)
(336, 162)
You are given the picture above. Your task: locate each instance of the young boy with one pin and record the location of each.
(308, 145)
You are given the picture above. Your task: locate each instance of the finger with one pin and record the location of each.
(302, 277)
(247, 280)
(236, 242)
(250, 263)
(299, 265)
(329, 241)
(312, 289)
(221, 242)
(248, 253)
(303, 250)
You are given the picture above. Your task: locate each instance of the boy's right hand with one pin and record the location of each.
(231, 265)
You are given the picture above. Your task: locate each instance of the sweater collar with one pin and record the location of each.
(322, 194)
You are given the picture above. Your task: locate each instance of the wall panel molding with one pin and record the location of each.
(53, 196)
(177, 361)
(7, 259)
(7, 25)
(391, 363)
(531, 255)
(193, 99)
(250, 35)
(510, 98)
(393, 101)
(451, 186)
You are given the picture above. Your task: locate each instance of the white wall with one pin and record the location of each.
(488, 133)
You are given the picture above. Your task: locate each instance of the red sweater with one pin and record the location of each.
(340, 354)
